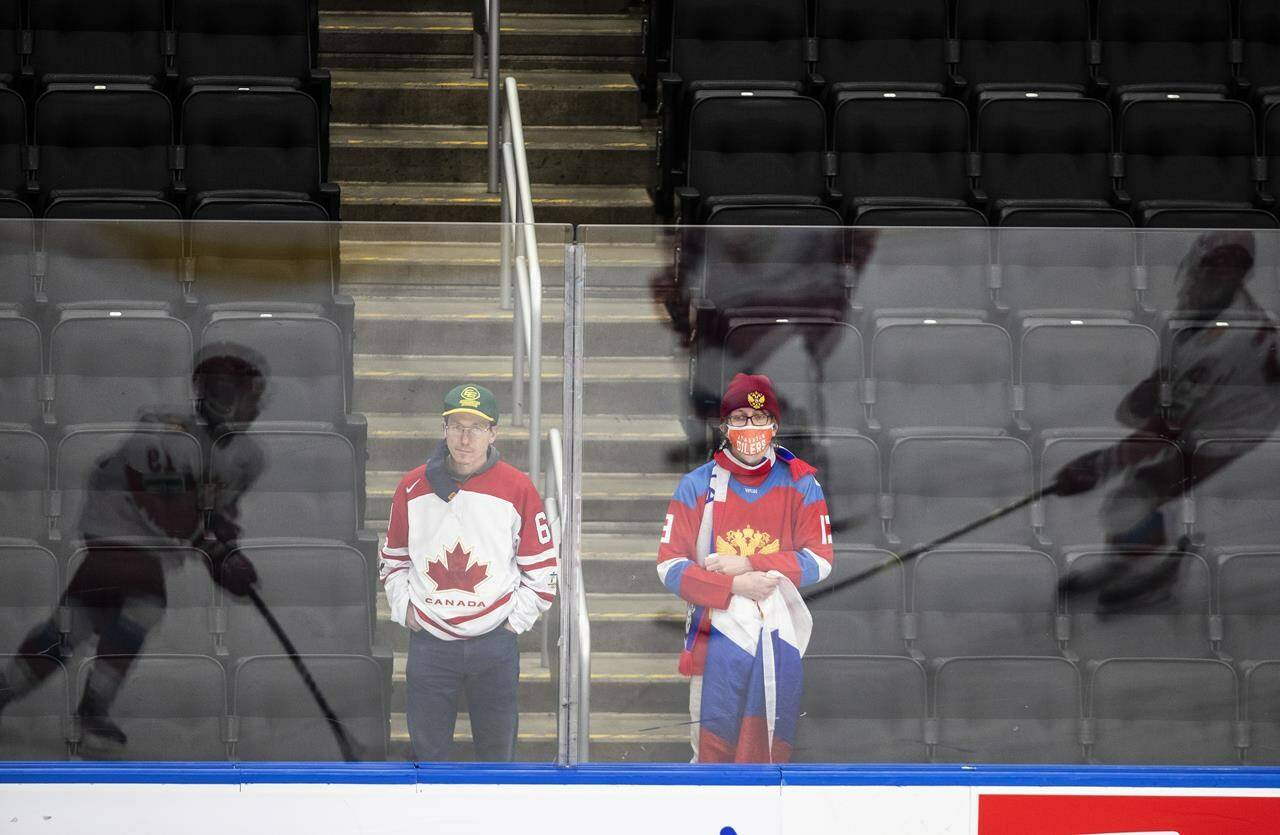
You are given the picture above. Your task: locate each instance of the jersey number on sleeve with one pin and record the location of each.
(666, 528)
(544, 530)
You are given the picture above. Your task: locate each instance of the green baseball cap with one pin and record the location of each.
(470, 399)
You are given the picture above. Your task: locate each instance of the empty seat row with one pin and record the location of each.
(109, 365)
(186, 707)
(161, 41)
(965, 44)
(310, 487)
(891, 157)
(917, 370)
(1005, 600)
(317, 591)
(926, 485)
(1009, 273)
(1038, 710)
(116, 150)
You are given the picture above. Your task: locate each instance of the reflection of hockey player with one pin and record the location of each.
(742, 532)
(1223, 377)
(147, 493)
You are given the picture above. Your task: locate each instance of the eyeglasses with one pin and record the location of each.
(757, 419)
(457, 430)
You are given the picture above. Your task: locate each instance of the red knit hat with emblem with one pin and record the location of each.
(750, 391)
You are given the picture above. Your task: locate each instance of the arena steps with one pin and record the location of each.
(455, 97)
(552, 6)
(443, 202)
(557, 155)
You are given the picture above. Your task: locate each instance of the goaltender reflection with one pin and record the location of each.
(1220, 378)
(144, 494)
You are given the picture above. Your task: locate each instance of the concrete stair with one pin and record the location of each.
(408, 141)
(408, 146)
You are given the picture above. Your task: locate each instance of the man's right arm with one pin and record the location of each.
(678, 567)
(394, 564)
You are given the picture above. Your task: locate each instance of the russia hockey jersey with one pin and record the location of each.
(773, 514)
(468, 564)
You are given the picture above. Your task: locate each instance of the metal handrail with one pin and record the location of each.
(517, 209)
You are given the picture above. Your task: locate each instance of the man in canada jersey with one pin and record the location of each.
(766, 526)
(468, 565)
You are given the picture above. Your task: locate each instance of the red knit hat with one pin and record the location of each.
(751, 391)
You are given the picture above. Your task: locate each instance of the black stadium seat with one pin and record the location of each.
(884, 724)
(243, 266)
(236, 40)
(29, 590)
(1260, 34)
(21, 364)
(108, 365)
(307, 487)
(1175, 626)
(13, 151)
(865, 617)
(1165, 43)
(86, 40)
(900, 148)
(37, 726)
(928, 271)
(753, 144)
(816, 368)
(1236, 496)
(278, 719)
(1042, 272)
(1189, 153)
(1169, 711)
(103, 141)
(1009, 42)
(1262, 713)
(24, 484)
(1007, 710)
(849, 471)
(171, 707)
(318, 591)
(866, 41)
(1077, 372)
(305, 355)
(1068, 521)
(1248, 601)
(109, 262)
(1042, 147)
(939, 372)
(936, 483)
(75, 479)
(254, 143)
(10, 40)
(187, 624)
(983, 601)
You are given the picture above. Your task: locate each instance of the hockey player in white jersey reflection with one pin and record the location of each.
(1221, 373)
(144, 495)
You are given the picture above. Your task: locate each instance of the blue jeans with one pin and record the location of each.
(487, 669)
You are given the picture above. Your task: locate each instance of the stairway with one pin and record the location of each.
(408, 144)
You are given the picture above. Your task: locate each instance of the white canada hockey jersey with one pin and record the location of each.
(472, 563)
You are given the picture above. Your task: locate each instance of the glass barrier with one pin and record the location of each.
(1044, 523)
(233, 523)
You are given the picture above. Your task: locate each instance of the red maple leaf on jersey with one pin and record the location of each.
(452, 572)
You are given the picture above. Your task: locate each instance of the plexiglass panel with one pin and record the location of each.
(265, 492)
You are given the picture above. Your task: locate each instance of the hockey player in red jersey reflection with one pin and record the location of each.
(1224, 377)
(147, 493)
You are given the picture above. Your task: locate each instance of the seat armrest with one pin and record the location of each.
(687, 200)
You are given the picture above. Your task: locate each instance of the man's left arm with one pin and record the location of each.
(536, 559)
(812, 558)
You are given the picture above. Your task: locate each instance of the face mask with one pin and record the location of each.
(750, 441)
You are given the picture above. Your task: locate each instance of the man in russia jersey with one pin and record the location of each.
(468, 565)
(742, 533)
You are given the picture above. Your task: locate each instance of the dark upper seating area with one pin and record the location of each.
(163, 108)
(955, 112)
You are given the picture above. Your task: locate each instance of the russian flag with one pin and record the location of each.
(753, 678)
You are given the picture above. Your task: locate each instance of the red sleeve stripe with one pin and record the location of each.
(393, 557)
(544, 564)
(485, 611)
(395, 571)
(435, 624)
(547, 596)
